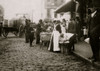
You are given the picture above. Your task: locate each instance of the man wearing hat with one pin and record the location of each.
(94, 33)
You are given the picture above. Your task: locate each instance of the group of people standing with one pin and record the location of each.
(72, 26)
(29, 32)
(32, 32)
(61, 28)
(58, 28)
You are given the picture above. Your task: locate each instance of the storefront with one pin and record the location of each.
(67, 7)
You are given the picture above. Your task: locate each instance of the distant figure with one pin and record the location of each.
(0, 28)
(72, 26)
(78, 28)
(63, 26)
(21, 30)
(27, 30)
(38, 31)
(31, 34)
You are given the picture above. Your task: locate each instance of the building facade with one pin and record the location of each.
(1, 13)
(50, 6)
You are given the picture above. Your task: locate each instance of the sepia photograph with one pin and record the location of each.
(49, 35)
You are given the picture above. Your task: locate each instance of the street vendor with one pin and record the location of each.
(54, 42)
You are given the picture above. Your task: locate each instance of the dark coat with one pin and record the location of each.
(94, 35)
(58, 28)
(26, 28)
(31, 30)
(38, 28)
(94, 29)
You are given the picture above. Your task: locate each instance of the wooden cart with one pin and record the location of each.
(45, 38)
(6, 30)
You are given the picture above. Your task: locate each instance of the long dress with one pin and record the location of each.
(54, 42)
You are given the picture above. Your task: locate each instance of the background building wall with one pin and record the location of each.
(51, 5)
(1, 13)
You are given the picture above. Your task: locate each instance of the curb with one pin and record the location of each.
(95, 64)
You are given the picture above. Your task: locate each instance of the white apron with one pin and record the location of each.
(55, 35)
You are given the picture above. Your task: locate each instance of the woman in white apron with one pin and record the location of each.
(54, 42)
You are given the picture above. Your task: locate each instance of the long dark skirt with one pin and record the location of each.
(51, 46)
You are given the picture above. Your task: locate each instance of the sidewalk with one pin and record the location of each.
(83, 50)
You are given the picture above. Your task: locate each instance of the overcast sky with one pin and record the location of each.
(12, 7)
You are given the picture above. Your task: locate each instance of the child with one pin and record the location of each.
(85, 32)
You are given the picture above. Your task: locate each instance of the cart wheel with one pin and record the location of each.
(5, 33)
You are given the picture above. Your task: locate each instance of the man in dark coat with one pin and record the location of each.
(27, 30)
(94, 33)
(31, 34)
(38, 31)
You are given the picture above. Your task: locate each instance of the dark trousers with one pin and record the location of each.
(26, 37)
(37, 38)
(31, 38)
(51, 46)
(95, 46)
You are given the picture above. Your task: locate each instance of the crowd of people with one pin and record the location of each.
(58, 28)
(74, 26)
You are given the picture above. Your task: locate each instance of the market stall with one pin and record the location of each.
(67, 43)
(69, 6)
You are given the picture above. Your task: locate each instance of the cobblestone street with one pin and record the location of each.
(16, 55)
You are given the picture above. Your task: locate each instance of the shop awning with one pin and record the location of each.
(69, 6)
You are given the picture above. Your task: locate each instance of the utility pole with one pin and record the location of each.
(41, 8)
(32, 15)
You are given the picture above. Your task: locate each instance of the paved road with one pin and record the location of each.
(16, 55)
